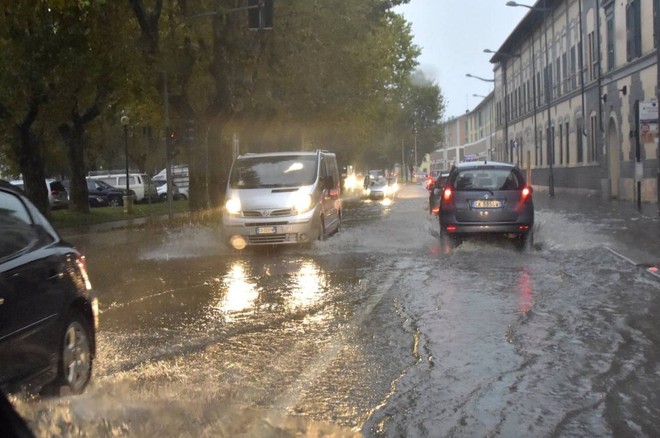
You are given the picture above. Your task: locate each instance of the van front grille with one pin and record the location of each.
(267, 213)
(271, 239)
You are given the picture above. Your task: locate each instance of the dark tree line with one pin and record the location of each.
(330, 74)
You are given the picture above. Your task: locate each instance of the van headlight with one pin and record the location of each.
(301, 202)
(233, 206)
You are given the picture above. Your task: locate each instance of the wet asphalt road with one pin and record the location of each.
(377, 331)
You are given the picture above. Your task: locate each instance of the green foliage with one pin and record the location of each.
(331, 73)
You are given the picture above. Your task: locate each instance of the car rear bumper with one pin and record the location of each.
(511, 228)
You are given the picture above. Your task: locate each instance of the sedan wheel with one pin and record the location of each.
(115, 202)
(76, 365)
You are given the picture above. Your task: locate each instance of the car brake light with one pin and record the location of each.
(447, 194)
(526, 193)
(451, 228)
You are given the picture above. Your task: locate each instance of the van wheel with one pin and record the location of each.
(321, 234)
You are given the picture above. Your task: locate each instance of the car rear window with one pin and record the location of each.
(492, 178)
(57, 186)
(16, 232)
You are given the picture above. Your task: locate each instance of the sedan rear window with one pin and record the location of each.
(488, 179)
(16, 232)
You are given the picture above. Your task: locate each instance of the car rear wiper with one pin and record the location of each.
(480, 189)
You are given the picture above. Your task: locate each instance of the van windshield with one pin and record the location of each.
(279, 171)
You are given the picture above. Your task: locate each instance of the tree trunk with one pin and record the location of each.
(27, 148)
(72, 134)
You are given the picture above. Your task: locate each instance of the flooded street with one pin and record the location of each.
(377, 331)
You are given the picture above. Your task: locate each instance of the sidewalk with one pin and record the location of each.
(631, 233)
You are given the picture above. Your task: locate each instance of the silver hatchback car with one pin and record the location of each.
(487, 197)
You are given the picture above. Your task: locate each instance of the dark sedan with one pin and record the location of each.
(48, 310)
(436, 192)
(482, 198)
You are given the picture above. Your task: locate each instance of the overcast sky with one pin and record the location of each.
(453, 35)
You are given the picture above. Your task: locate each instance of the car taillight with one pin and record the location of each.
(526, 194)
(82, 266)
(447, 194)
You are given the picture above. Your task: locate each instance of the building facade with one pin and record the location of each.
(470, 136)
(575, 97)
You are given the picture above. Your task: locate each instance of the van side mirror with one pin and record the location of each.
(437, 191)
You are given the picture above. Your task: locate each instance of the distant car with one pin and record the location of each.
(139, 184)
(161, 188)
(484, 197)
(436, 192)
(58, 197)
(115, 195)
(48, 309)
(381, 188)
(95, 200)
(431, 178)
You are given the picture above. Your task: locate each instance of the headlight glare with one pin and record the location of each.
(233, 206)
(302, 203)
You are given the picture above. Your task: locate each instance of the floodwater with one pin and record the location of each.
(378, 331)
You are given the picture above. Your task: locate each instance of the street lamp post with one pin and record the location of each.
(549, 136)
(128, 199)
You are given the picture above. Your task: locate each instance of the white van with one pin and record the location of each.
(282, 198)
(180, 178)
(140, 183)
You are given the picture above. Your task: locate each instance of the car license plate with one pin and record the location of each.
(266, 230)
(487, 203)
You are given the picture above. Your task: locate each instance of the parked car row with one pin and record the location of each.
(101, 193)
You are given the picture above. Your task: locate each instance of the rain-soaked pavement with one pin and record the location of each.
(377, 331)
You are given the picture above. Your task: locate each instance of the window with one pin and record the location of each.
(578, 140)
(591, 53)
(573, 69)
(551, 143)
(16, 232)
(633, 30)
(558, 77)
(611, 43)
(548, 83)
(564, 70)
(568, 149)
(593, 138)
(561, 144)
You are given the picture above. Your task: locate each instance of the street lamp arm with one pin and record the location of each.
(504, 54)
(533, 8)
(477, 77)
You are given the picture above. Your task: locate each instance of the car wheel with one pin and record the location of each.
(74, 369)
(163, 198)
(115, 202)
(525, 242)
(321, 233)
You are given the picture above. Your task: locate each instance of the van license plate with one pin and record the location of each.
(486, 203)
(266, 230)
